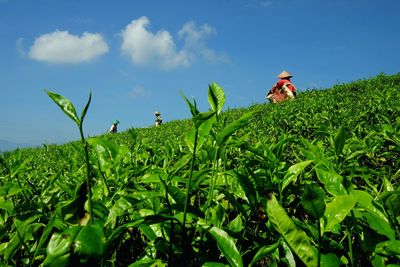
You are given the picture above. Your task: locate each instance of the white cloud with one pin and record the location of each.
(146, 48)
(195, 43)
(138, 92)
(61, 47)
(158, 49)
(19, 46)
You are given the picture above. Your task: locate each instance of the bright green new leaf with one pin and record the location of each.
(332, 181)
(289, 255)
(202, 117)
(340, 140)
(293, 172)
(89, 245)
(84, 111)
(66, 106)
(297, 240)
(330, 260)
(120, 207)
(365, 200)
(6, 204)
(217, 215)
(389, 248)
(236, 225)
(76, 246)
(379, 225)
(59, 248)
(193, 107)
(203, 132)
(216, 97)
(388, 185)
(337, 210)
(313, 200)
(225, 243)
(264, 251)
(233, 127)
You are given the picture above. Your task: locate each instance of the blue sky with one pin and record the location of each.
(135, 57)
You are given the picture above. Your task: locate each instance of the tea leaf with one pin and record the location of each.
(264, 251)
(332, 181)
(340, 140)
(293, 172)
(66, 106)
(313, 201)
(337, 210)
(85, 109)
(216, 97)
(233, 127)
(225, 243)
(297, 240)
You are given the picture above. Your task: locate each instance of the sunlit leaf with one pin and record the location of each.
(293, 172)
(226, 244)
(264, 251)
(330, 260)
(379, 225)
(85, 109)
(76, 246)
(365, 200)
(340, 140)
(120, 207)
(388, 248)
(216, 97)
(332, 181)
(337, 210)
(297, 240)
(66, 106)
(233, 127)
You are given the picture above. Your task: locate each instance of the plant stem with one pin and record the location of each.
(188, 185)
(350, 247)
(85, 146)
(213, 178)
(104, 179)
(319, 242)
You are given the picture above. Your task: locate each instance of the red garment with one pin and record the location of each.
(280, 83)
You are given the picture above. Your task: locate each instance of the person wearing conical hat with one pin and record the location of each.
(158, 118)
(283, 89)
(113, 128)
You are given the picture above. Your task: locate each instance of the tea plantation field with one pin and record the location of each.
(310, 182)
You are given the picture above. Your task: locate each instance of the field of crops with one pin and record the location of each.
(310, 182)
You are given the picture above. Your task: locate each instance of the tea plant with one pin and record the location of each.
(310, 182)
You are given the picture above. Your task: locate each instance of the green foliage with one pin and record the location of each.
(314, 181)
(297, 240)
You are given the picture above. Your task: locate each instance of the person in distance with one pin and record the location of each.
(113, 128)
(283, 89)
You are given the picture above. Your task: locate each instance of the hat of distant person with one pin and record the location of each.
(116, 122)
(285, 74)
(157, 113)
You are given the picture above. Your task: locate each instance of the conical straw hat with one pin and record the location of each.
(285, 74)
